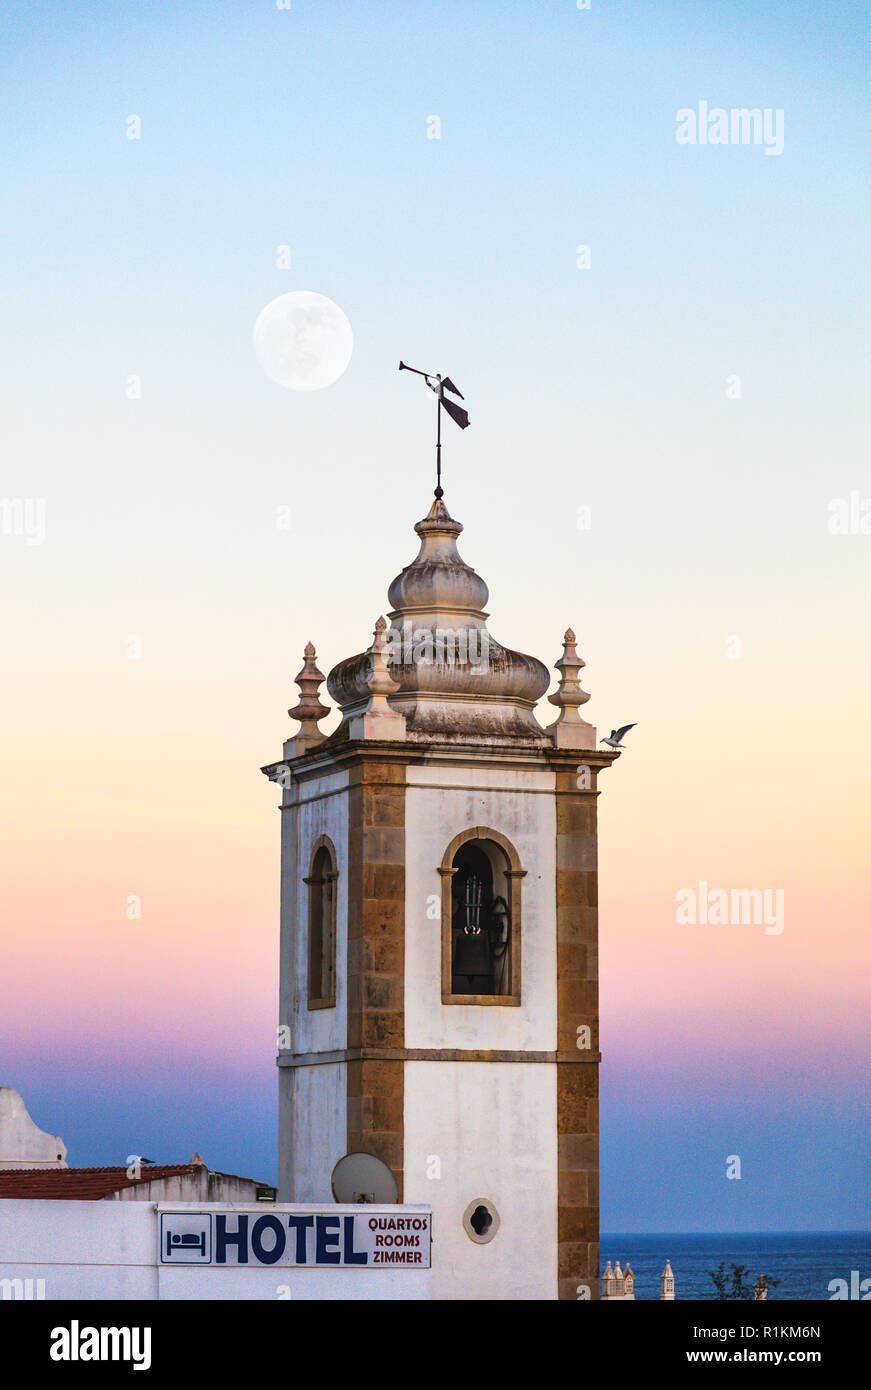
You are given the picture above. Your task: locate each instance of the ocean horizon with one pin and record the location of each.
(805, 1262)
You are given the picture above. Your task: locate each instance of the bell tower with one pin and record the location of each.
(438, 994)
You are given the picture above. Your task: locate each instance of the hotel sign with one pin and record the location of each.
(314, 1239)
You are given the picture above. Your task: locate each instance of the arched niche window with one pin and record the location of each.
(321, 883)
(481, 900)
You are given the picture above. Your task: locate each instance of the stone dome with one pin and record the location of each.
(438, 578)
(455, 682)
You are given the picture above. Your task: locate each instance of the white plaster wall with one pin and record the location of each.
(322, 1030)
(320, 1128)
(313, 1030)
(201, 1186)
(104, 1250)
(285, 1134)
(286, 981)
(297, 1285)
(22, 1143)
(493, 1128)
(520, 804)
(81, 1249)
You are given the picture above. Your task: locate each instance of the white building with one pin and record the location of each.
(71, 1250)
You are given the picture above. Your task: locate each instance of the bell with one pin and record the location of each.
(472, 954)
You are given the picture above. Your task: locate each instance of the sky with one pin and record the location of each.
(664, 426)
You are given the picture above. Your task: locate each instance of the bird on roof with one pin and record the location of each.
(617, 735)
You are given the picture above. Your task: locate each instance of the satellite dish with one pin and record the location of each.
(364, 1178)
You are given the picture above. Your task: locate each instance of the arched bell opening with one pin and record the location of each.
(481, 876)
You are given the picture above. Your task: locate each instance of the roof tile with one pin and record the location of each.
(82, 1184)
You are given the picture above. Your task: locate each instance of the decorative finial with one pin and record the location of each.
(376, 719)
(309, 710)
(569, 730)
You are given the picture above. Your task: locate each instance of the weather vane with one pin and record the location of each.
(441, 384)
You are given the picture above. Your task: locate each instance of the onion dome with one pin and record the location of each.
(438, 578)
(455, 682)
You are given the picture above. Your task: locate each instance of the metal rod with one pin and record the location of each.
(439, 492)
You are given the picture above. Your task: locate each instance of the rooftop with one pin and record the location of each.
(91, 1184)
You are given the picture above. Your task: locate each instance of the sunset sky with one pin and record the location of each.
(713, 603)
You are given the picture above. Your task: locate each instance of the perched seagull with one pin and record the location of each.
(616, 739)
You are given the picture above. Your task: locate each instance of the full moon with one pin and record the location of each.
(303, 341)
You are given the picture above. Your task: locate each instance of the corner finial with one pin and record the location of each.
(309, 710)
(376, 719)
(569, 730)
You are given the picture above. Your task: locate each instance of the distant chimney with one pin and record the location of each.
(667, 1281)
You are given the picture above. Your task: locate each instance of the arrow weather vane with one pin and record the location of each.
(441, 384)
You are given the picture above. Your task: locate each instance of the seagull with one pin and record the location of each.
(616, 739)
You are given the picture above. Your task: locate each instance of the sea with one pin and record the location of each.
(805, 1262)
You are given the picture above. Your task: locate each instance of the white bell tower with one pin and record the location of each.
(439, 998)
